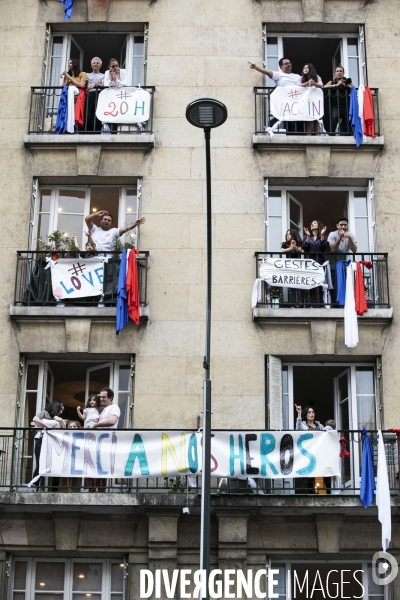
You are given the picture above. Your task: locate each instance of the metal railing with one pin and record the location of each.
(376, 282)
(33, 281)
(335, 121)
(44, 106)
(18, 463)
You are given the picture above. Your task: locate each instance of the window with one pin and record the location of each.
(128, 48)
(295, 207)
(64, 208)
(325, 51)
(69, 579)
(349, 579)
(72, 383)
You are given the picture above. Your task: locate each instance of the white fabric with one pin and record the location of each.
(127, 259)
(350, 315)
(256, 293)
(51, 424)
(327, 285)
(360, 98)
(92, 415)
(106, 413)
(383, 495)
(104, 240)
(72, 92)
(285, 79)
(121, 82)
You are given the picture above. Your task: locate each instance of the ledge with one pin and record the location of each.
(137, 141)
(36, 313)
(262, 141)
(291, 315)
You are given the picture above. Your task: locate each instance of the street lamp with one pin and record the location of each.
(207, 114)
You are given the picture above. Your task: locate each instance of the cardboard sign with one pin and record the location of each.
(294, 103)
(123, 105)
(300, 273)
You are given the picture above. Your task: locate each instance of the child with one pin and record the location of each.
(74, 425)
(330, 482)
(91, 411)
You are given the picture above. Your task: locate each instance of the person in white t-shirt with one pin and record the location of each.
(110, 414)
(104, 236)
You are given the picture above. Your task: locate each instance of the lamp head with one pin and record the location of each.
(206, 113)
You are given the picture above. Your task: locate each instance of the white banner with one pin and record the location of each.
(115, 454)
(299, 273)
(294, 103)
(123, 105)
(77, 277)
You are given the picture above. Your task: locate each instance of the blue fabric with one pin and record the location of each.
(62, 112)
(68, 8)
(354, 119)
(122, 297)
(341, 281)
(367, 486)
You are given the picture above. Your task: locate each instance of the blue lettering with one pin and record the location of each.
(193, 458)
(307, 470)
(315, 109)
(234, 456)
(137, 452)
(267, 445)
(75, 447)
(90, 280)
(141, 107)
(99, 272)
(101, 437)
(68, 291)
(286, 109)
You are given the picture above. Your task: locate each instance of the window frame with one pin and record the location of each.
(67, 593)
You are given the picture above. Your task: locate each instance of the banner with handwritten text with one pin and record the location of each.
(298, 273)
(294, 103)
(123, 105)
(118, 453)
(77, 277)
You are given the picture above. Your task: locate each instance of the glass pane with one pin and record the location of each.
(365, 397)
(71, 225)
(360, 206)
(19, 596)
(131, 203)
(352, 47)
(361, 234)
(20, 568)
(124, 372)
(294, 212)
(45, 199)
(280, 586)
(57, 45)
(274, 205)
(70, 201)
(285, 394)
(39, 596)
(138, 45)
(365, 380)
(274, 234)
(32, 377)
(117, 577)
(343, 388)
(122, 403)
(55, 79)
(43, 227)
(87, 577)
(98, 379)
(272, 46)
(116, 596)
(49, 576)
(353, 70)
(137, 71)
(83, 596)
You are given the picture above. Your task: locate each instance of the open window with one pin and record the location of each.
(72, 382)
(128, 48)
(296, 207)
(325, 51)
(64, 208)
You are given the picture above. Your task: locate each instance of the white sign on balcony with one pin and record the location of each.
(123, 105)
(300, 273)
(77, 277)
(294, 103)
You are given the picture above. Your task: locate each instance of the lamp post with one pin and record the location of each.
(207, 114)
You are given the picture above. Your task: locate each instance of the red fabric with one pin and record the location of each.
(132, 287)
(368, 113)
(344, 453)
(80, 107)
(361, 301)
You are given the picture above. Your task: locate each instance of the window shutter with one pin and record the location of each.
(274, 390)
(363, 56)
(33, 214)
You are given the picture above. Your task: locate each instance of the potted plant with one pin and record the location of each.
(275, 295)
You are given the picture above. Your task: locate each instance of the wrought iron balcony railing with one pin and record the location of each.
(44, 106)
(376, 282)
(17, 465)
(332, 110)
(33, 280)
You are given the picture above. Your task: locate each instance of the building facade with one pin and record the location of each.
(264, 360)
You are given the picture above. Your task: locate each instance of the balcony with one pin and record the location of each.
(17, 464)
(33, 291)
(43, 117)
(328, 154)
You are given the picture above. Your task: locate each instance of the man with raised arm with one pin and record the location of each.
(284, 77)
(104, 236)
